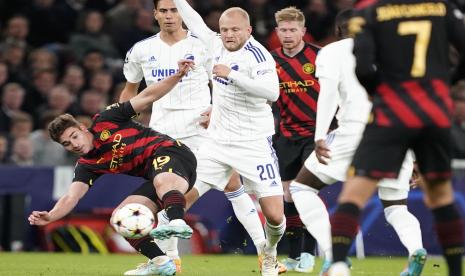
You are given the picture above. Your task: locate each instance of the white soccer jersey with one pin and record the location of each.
(177, 113)
(348, 94)
(240, 111)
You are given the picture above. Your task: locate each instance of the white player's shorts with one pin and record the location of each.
(342, 143)
(194, 142)
(255, 161)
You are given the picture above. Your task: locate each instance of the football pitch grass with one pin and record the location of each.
(44, 264)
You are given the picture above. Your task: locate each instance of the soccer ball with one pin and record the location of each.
(133, 220)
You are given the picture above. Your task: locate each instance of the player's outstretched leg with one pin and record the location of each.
(174, 204)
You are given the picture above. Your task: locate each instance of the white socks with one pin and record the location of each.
(314, 215)
(406, 226)
(274, 233)
(247, 214)
(169, 246)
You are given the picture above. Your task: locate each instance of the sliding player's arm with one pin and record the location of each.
(63, 206)
(194, 22)
(157, 90)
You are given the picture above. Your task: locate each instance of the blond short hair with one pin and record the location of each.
(290, 14)
(237, 11)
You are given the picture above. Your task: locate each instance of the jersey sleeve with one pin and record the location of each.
(364, 51)
(456, 34)
(117, 112)
(326, 64)
(132, 68)
(263, 81)
(195, 23)
(85, 174)
(328, 69)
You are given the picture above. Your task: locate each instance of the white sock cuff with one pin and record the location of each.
(295, 187)
(277, 228)
(235, 194)
(163, 217)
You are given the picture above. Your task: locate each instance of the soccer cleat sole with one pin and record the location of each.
(416, 263)
(165, 232)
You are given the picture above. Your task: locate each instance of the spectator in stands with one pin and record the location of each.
(14, 54)
(59, 100)
(102, 82)
(22, 152)
(91, 36)
(4, 74)
(42, 82)
(11, 101)
(143, 27)
(21, 125)
(50, 21)
(458, 127)
(91, 103)
(119, 19)
(46, 151)
(3, 150)
(93, 61)
(17, 29)
(42, 59)
(73, 79)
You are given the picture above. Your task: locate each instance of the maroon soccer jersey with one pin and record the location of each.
(120, 145)
(298, 88)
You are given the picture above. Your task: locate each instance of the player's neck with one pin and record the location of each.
(294, 51)
(171, 38)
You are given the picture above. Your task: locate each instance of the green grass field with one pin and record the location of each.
(45, 264)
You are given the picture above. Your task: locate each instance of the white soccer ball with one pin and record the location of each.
(133, 220)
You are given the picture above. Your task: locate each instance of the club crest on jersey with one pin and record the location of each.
(104, 135)
(308, 68)
(189, 56)
(234, 66)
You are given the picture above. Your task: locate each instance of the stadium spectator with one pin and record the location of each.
(42, 59)
(73, 79)
(46, 151)
(293, 141)
(59, 100)
(22, 152)
(167, 165)
(50, 21)
(11, 101)
(93, 61)
(17, 30)
(4, 156)
(458, 125)
(91, 102)
(243, 72)
(143, 27)
(21, 125)
(14, 54)
(4, 74)
(120, 18)
(42, 82)
(102, 82)
(411, 110)
(91, 36)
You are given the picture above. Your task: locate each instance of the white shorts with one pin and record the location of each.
(194, 142)
(254, 160)
(342, 144)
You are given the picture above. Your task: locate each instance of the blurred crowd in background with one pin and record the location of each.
(60, 56)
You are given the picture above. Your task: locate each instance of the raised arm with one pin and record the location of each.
(157, 90)
(194, 22)
(63, 206)
(129, 92)
(327, 71)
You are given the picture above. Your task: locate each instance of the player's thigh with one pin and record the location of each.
(194, 142)
(342, 148)
(397, 189)
(433, 153)
(213, 169)
(256, 162)
(146, 195)
(289, 156)
(381, 151)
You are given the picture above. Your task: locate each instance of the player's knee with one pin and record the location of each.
(275, 218)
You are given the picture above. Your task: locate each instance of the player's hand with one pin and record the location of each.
(205, 118)
(221, 70)
(39, 218)
(322, 152)
(185, 65)
(416, 180)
